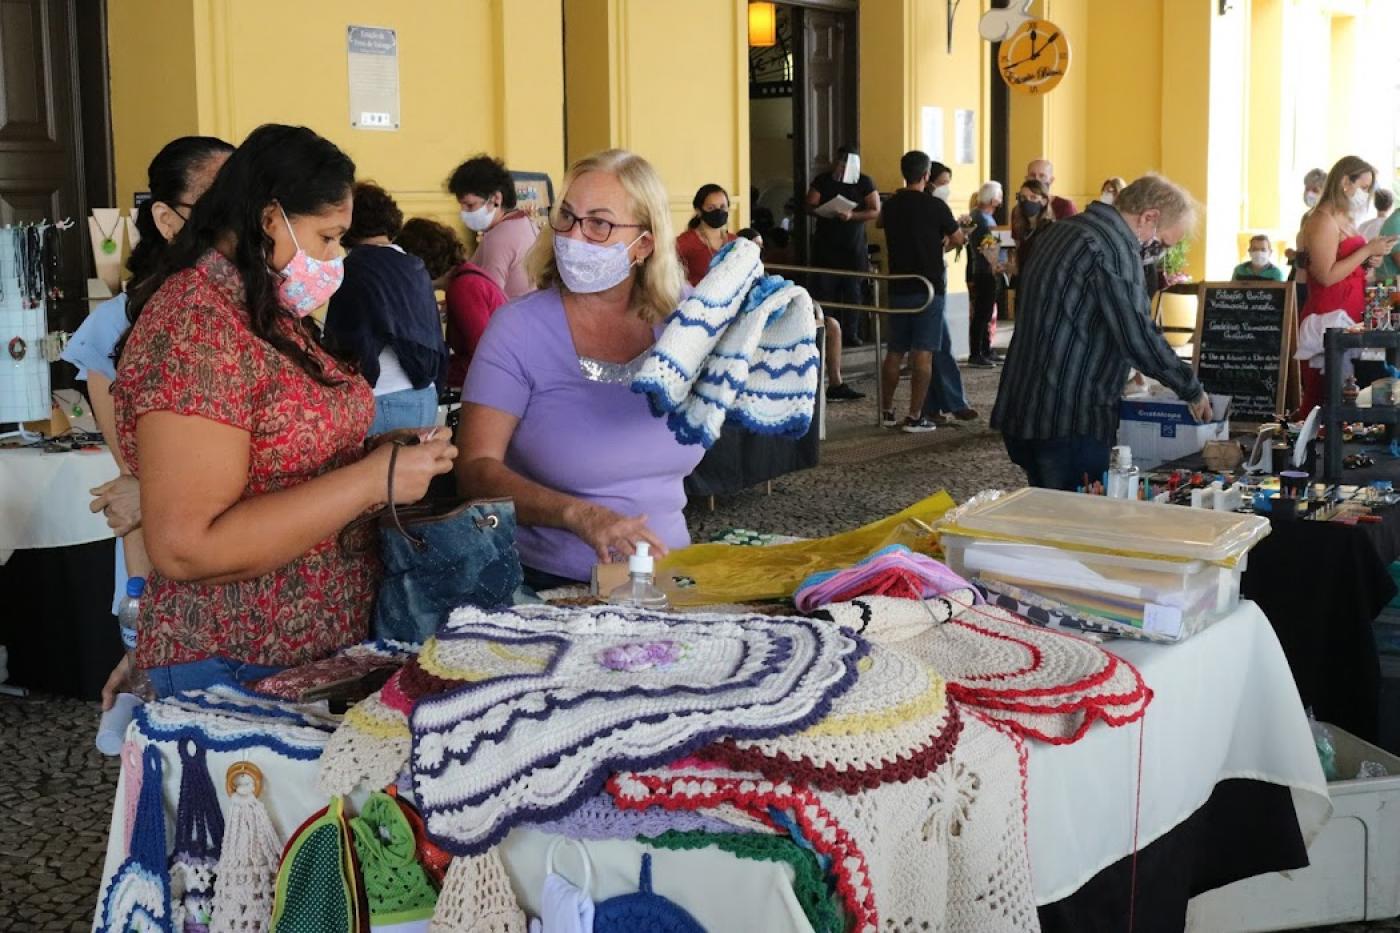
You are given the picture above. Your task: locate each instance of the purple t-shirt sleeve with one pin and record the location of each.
(497, 377)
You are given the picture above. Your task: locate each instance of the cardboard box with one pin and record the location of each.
(1159, 429)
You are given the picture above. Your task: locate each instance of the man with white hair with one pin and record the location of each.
(1084, 321)
(983, 276)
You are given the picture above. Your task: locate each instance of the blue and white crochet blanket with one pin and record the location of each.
(743, 346)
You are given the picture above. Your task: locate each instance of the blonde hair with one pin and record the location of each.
(1156, 192)
(1348, 168)
(656, 291)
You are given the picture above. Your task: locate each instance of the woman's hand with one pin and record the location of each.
(414, 469)
(1382, 247)
(610, 534)
(117, 682)
(407, 435)
(120, 501)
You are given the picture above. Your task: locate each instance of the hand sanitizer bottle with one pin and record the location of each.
(640, 590)
(1123, 476)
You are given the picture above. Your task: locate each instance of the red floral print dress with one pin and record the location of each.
(193, 353)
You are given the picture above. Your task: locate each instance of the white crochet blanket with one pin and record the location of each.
(743, 345)
(620, 688)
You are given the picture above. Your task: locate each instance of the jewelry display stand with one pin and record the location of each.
(107, 230)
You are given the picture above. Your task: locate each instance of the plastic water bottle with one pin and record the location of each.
(640, 590)
(127, 612)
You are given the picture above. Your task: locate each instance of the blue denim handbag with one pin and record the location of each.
(439, 555)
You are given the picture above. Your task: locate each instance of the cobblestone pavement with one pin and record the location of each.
(56, 797)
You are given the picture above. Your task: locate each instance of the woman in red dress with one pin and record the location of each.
(707, 232)
(1338, 256)
(247, 437)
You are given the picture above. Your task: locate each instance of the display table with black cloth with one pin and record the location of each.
(1322, 584)
(1219, 781)
(56, 576)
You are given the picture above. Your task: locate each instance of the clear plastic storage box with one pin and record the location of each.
(1166, 569)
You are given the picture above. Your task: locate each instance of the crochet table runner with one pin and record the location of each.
(895, 724)
(946, 851)
(743, 345)
(607, 688)
(1045, 685)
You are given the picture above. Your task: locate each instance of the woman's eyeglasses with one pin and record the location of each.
(594, 228)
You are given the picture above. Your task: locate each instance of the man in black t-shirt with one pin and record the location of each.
(919, 227)
(839, 242)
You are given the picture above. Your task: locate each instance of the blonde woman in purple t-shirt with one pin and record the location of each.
(549, 418)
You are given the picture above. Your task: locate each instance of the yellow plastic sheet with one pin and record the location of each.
(731, 573)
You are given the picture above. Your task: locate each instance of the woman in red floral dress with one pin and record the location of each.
(247, 437)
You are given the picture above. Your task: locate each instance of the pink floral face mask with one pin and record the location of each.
(307, 283)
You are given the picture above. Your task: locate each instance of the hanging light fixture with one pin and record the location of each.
(763, 25)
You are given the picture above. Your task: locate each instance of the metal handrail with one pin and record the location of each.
(875, 309)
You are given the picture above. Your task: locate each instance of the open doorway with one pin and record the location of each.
(802, 108)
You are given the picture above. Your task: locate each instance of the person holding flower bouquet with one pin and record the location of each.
(984, 269)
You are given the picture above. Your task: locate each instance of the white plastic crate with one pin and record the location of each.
(1355, 861)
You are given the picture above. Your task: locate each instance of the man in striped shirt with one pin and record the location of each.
(1083, 320)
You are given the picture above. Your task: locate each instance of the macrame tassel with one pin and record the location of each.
(131, 776)
(138, 897)
(247, 872)
(476, 897)
(199, 837)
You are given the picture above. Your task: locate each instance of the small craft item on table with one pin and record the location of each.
(891, 571)
(730, 574)
(742, 346)
(341, 674)
(247, 872)
(1042, 684)
(319, 886)
(138, 896)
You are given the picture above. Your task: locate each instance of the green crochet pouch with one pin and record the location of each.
(316, 883)
(398, 888)
(809, 882)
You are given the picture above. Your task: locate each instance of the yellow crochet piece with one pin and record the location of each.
(731, 573)
(362, 721)
(529, 660)
(926, 705)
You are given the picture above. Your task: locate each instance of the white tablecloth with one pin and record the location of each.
(1225, 707)
(44, 498)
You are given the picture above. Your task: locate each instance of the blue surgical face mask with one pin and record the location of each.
(586, 268)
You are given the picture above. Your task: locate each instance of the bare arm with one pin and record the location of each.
(482, 440)
(1321, 238)
(119, 499)
(194, 473)
(814, 200)
(869, 210)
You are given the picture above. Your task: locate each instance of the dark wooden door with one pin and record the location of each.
(824, 92)
(40, 141)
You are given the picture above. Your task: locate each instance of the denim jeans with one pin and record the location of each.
(945, 388)
(201, 675)
(409, 408)
(1059, 462)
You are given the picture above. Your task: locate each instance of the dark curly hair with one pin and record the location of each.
(376, 214)
(483, 176)
(434, 243)
(277, 164)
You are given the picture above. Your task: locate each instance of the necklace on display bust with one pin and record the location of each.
(109, 237)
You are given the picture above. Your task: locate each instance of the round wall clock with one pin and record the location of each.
(1035, 58)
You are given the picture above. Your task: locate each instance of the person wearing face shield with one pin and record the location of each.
(1338, 259)
(549, 417)
(1259, 267)
(1083, 322)
(707, 232)
(838, 241)
(485, 192)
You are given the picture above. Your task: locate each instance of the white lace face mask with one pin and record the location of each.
(586, 268)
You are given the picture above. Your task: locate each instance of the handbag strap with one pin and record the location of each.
(394, 509)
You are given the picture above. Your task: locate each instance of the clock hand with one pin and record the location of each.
(1045, 45)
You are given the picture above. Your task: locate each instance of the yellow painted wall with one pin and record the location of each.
(1124, 123)
(474, 76)
(669, 80)
(1268, 168)
(149, 41)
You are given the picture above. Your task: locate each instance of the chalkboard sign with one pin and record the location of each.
(1244, 341)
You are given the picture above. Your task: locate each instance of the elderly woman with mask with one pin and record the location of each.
(553, 374)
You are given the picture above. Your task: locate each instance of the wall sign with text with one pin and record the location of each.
(1035, 58)
(373, 54)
